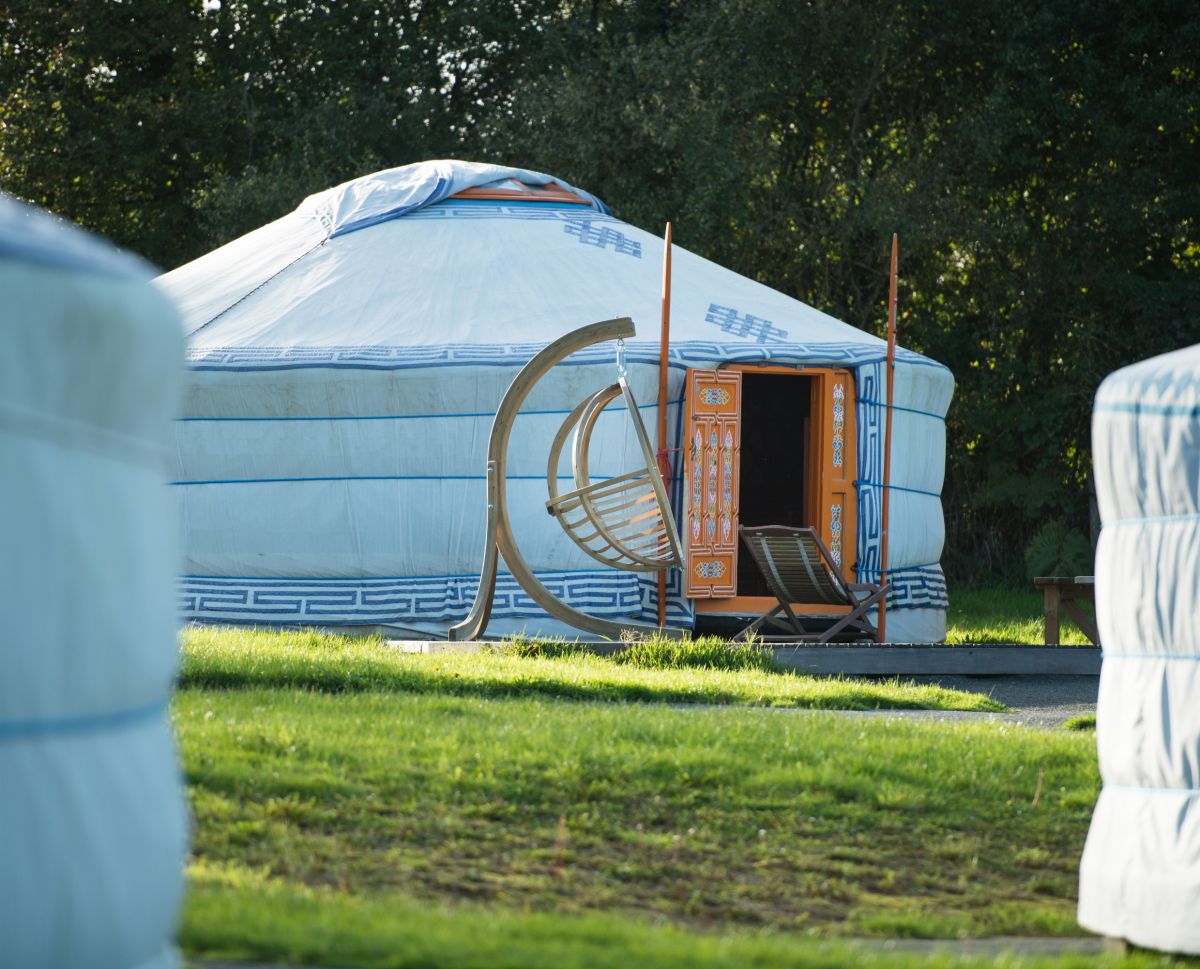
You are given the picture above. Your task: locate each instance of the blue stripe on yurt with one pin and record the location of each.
(381, 477)
(81, 723)
(374, 579)
(899, 568)
(417, 417)
(892, 487)
(1153, 520)
(1161, 410)
(907, 410)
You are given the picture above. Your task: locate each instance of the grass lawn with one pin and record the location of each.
(224, 658)
(242, 916)
(359, 807)
(709, 819)
(1003, 616)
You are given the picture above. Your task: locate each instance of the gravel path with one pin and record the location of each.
(975, 948)
(1034, 701)
(1039, 701)
(996, 946)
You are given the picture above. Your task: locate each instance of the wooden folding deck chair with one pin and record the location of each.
(798, 568)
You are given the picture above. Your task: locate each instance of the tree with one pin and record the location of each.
(102, 111)
(1039, 161)
(1038, 158)
(173, 127)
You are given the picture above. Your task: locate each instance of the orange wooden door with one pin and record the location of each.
(833, 463)
(714, 417)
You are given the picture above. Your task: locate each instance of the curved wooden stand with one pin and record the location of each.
(498, 539)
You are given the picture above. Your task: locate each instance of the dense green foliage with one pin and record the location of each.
(1039, 159)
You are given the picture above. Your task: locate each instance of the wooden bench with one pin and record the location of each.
(1065, 592)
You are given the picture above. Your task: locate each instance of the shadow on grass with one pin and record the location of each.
(366, 677)
(707, 670)
(566, 678)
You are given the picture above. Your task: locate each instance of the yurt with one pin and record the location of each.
(1140, 874)
(346, 361)
(92, 820)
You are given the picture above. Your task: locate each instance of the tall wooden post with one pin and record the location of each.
(887, 435)
(664, 457)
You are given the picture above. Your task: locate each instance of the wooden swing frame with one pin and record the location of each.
(653, 550)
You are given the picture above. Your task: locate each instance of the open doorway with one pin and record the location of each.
(767, 445)
(775, 471)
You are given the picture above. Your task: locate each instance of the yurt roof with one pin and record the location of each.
(451, 260)
(1166, 385)
(37, 237)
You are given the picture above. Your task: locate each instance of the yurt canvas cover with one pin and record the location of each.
(347, 359)
(1140, 874)
(92, 823)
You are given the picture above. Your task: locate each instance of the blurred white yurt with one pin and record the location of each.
(1140, 875)
(346, 362)
(92, 822)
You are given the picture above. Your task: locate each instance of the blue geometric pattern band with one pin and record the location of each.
(870, 468)
(690, 353)
(914, 587)
(608, 594)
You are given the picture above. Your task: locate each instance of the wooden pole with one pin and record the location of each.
(887, 435)
(664, 462)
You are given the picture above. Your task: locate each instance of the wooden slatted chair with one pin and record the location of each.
(798, 568)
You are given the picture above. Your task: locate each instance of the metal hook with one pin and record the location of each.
(621, 358)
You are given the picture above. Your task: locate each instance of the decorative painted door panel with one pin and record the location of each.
(713, 465)
(837, 502)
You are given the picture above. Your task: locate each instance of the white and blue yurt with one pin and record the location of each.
(1140, 875)
(345, 363)
(92, 820)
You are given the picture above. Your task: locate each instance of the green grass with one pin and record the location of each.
(708, 818)
(656, 652)
(237, 914)
(1002, 616)
(356, 806)
(225, 658)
